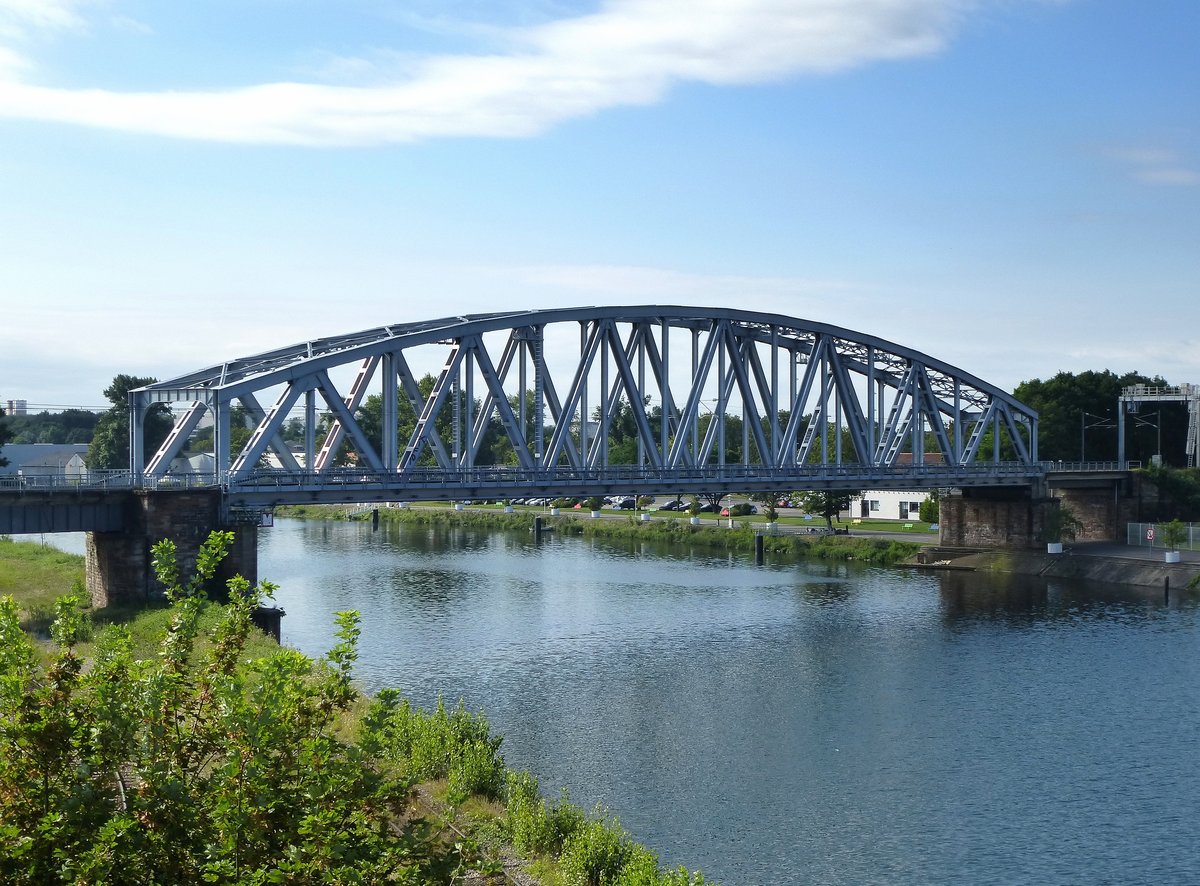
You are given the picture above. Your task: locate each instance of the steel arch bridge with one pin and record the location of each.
(583, 401)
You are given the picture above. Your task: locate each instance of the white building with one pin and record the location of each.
(887, 504)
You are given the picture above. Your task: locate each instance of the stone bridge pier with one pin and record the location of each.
(119, 564)
(990, 517)
(1014, 517)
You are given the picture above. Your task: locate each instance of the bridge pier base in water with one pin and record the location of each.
(119, 564)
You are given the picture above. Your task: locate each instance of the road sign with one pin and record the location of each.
(1149, 533)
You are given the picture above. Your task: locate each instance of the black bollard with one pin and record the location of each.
(267, 619)
(758, 550)
(537, 528)
(374, 519)
(1167, 589)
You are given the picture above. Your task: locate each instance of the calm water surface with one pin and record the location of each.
(793, 723)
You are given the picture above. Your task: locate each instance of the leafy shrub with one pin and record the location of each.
(595, 853)
(454, 745)
(535, 826)
(194, 766)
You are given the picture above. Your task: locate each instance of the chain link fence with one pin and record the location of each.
(1150, 535)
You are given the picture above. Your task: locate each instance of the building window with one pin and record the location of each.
(874, 504)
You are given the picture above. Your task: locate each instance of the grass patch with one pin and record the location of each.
(36, 576)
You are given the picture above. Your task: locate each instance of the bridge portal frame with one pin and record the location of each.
(1134, 395)
(815, 404)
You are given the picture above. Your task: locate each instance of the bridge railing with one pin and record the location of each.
(34, 481)
(1095, 466)
(103, 480)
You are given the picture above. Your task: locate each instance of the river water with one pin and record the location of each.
(795, 722)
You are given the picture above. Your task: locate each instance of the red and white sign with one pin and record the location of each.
(1149, 533)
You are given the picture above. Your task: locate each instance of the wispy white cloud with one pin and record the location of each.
(1158, 166)
(23, 18)
(628, 52)
(12, 64)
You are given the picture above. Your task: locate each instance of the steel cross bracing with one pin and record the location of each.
(579, 400)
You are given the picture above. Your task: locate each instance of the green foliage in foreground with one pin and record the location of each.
(590, 850)
(204, 764)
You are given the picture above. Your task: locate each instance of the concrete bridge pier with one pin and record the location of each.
(119, 564)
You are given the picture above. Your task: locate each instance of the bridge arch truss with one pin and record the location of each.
(646, 398)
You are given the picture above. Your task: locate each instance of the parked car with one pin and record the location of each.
(676, 505)
(627, 504)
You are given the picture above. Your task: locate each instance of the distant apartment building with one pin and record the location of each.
(17, 407)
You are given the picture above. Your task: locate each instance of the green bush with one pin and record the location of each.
(595, 853)
(454, 745)
(535, 826)
(194, 766)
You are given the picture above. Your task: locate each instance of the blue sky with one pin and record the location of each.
(1012, 186)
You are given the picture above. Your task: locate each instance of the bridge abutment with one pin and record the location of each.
(1103, 502)
(1103, 512)
(119, 564)
(1000, 517)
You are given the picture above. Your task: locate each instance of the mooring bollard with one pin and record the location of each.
(267, 620)
(374, 519)
(537, 528)
(758, 550)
